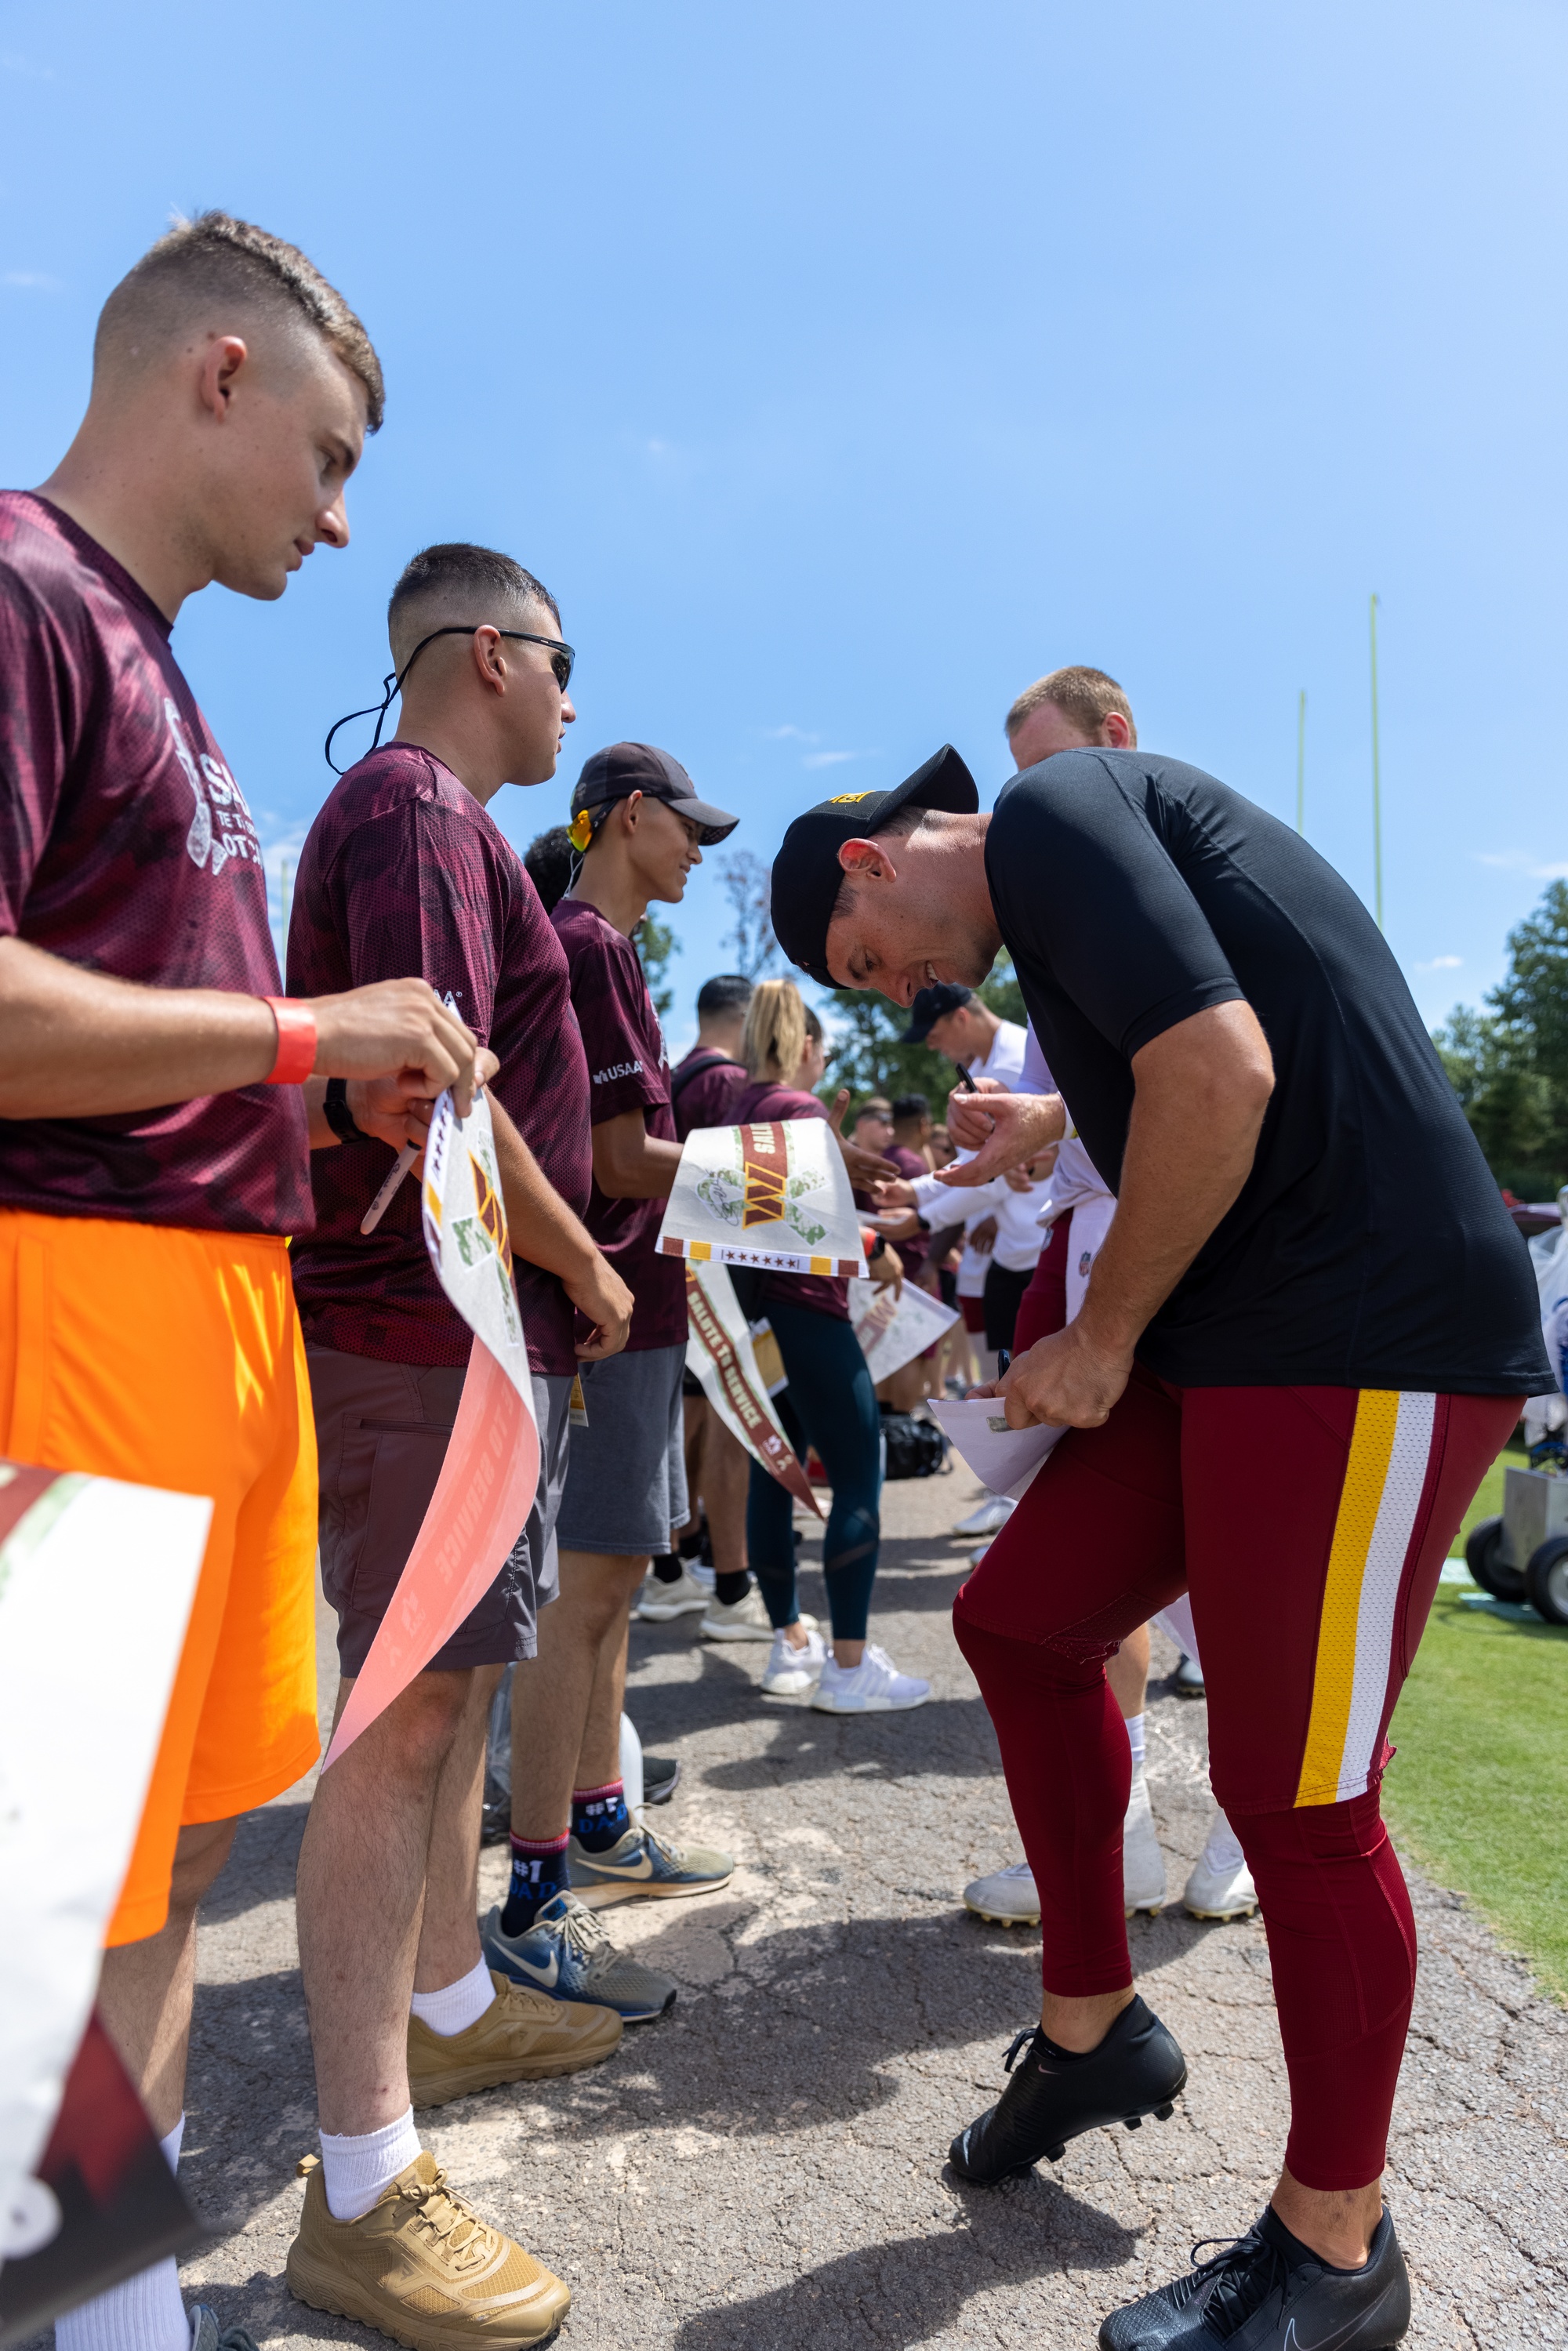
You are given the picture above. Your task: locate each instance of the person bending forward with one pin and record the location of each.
(1289, 1373)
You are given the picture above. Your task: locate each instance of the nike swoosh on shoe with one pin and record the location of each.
(641, 1868)
(1341, 2335)
(541, 1975)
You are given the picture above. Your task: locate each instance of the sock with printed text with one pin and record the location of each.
(538, 1873)
(598, 1816)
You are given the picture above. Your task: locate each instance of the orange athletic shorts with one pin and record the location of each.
(175, 1358)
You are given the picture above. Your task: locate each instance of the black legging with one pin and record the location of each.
(830, 1403)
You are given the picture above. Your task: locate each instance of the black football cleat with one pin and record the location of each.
(1137, 2070)
(1268, 2291)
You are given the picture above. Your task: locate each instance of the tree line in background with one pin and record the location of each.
(1508, 1063)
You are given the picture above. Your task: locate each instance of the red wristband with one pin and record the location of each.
(296, 1041)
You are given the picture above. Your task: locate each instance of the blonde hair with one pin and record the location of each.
(776, 1026)
(1086, 696)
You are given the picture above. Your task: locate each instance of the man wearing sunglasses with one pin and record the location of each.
(405, 872)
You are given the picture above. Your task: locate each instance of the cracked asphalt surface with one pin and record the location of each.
(765, 2166)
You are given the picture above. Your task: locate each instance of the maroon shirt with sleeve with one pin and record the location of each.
(126, 847)
(626, 1070)
(913, 1251)
(705, 1100)
(403, 875)
(762, 1100)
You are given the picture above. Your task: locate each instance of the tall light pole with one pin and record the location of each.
(1302, 762)
(1376, 780)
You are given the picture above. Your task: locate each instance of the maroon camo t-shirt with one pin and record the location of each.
(404, 876)
(626, 1070)
(705, 1100)
(126, 846)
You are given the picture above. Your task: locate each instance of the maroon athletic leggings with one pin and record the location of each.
(1308, 1526)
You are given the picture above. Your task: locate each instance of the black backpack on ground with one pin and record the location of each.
(916, 1448)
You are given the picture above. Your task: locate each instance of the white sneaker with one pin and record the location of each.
(789, 1671)
(1143, 1863)
(873, 1687)
(1222, 1883)
(661, 1603)
(1007, 1897)
(989, 1518)
(745, 1620)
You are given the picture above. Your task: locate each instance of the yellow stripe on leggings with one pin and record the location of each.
(1333, 1681)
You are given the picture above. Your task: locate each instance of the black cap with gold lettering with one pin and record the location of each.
(807, 873)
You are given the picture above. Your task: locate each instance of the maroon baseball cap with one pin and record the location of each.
(627, 768)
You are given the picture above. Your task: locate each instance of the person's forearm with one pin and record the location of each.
(630, 1164)
(1190, 1144)
(544, 1231)
(76, 1044)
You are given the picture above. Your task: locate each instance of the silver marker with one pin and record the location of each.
(384, 1198)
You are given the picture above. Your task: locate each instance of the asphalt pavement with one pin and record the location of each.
(765, 2167)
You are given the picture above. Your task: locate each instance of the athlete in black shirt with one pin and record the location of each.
(1309, 1330)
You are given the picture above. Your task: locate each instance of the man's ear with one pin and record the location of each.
(869, 858)
(221, 362)
(1116, 734)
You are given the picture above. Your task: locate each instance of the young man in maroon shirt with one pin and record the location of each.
(404, 871)
(160, 1094)
(639, 828)
(703, 1085)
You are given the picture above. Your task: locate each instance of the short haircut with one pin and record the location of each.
(549, 863)
(216, 266)
(1087, 697)
(909, 1106)
(730, 992)
(456, 581)
(875, 1107)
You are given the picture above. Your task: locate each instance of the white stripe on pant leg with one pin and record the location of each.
(1380, 1583)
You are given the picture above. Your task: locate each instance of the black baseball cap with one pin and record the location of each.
(931, 1005)
(807, 872)
(626, 767)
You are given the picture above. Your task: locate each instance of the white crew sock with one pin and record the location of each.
(1135, 1738)
(354, 2170)
(1223, 1853)
(145, 2312)
(457, 2005)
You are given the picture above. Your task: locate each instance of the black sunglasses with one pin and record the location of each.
(561, 659)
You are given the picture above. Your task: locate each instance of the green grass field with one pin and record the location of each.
(1478, 1793)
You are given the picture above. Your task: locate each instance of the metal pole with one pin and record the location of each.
(1301, 763)
(1376, 780)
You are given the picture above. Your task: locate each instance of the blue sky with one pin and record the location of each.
(843, 369)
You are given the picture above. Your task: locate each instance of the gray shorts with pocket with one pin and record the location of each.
(626, 1486)
(381, 1431)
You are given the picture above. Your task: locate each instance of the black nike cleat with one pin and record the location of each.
(1268, 2291)
(1137, 2070)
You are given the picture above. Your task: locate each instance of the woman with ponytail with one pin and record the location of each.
(830, 1403)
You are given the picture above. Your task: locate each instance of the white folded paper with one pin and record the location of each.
(79, 1725)
(721, 1357)
(1006, 1459)
(465, 1233)
(774, 1194)
(893, 1330)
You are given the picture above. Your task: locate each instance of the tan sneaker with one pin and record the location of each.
(523, 2036)
(422, 2267)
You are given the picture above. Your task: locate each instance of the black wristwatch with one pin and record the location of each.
(340, 1117)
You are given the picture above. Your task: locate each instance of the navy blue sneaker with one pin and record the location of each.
(566, 1953)
(1268, 2291)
